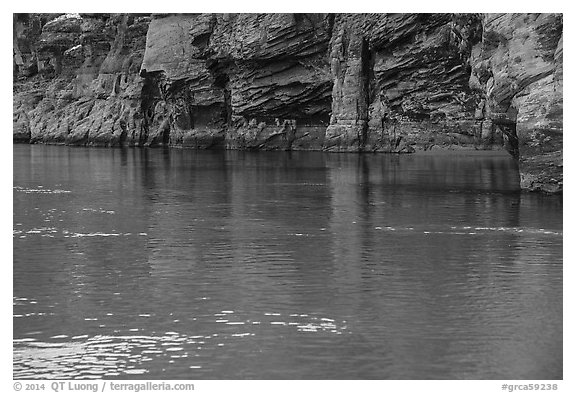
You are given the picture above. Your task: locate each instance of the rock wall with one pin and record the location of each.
(77, 82)
(518, 67)
(238, 81)
(397, 83)
(401, 83)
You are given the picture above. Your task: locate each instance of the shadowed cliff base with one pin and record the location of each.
(396, 83)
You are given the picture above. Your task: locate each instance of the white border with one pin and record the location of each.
(299, 6)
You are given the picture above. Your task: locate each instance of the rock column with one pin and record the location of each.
(349, 119)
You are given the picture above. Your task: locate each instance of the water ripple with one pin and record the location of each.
(470, 230)
(40, 190)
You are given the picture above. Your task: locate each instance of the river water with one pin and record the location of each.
(181, 264)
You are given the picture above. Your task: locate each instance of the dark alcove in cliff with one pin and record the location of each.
(367, 79)
(222, 81)
(151, 94)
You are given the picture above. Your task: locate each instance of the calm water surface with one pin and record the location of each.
(170, 264)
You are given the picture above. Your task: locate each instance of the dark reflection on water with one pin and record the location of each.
(169, 264)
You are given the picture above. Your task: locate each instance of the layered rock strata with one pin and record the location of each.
(518, 68)
(397, 83)
(78, 82)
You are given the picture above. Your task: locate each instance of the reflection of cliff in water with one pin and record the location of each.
(451, 231)
(305, 264)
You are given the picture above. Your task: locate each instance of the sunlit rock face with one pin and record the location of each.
(399, 83)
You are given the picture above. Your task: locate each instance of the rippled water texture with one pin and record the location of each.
(170, 264)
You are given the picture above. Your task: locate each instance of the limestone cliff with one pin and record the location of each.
(518, 67)
(77, 79)
(338, 82)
